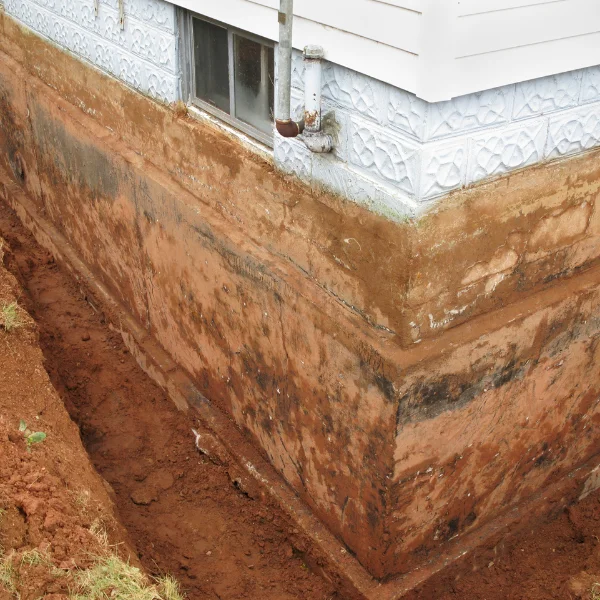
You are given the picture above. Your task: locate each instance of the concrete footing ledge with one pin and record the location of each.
(416, 386)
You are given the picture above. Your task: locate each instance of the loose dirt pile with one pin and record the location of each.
(185, 514)
(55, 514)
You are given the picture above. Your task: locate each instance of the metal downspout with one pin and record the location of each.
(284, 124)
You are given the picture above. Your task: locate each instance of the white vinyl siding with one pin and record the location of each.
(437, 49)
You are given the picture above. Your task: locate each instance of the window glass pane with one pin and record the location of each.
(254, 89)
(211, 64)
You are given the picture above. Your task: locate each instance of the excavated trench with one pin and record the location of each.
(186, 514)
(182, 510)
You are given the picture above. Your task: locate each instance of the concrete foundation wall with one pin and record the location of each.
(411, 381)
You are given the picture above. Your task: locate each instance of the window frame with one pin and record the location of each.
(186, 29)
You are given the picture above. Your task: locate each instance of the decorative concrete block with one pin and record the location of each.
(406, 113)
(131, 71)
(470, 112)
(355, 91)
(297, 70)
(293, 157)
(331, 175)
(336, 122)
(547, 94)
(505, 150)
(142, 57)
(155, 13)
(577, 131)
(443, 169)
(154, 45)
(387, 157)
(297, 105)
(590, 85)
(161, 85)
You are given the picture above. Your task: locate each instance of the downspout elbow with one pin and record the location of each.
(288, 128)
(318, 141)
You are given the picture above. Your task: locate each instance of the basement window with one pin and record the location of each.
(232, 76)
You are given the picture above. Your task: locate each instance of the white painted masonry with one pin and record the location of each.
(398, 154)
(144, 54)
(394, 152)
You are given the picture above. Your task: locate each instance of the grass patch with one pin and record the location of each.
(169, 588)
(98, 530)
(10, 316)
(595, 591)
(109, 577)
(8, 575)
(114, 579)
(33, 558)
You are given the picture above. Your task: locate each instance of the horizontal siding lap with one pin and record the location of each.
(473, 73)
(525, 25)
(471, 7)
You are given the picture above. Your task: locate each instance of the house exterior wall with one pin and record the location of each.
(395, 153)
(436, 49)
(412, 382)
(498, 42)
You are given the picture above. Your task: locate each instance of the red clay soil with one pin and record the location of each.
(51, 499)
(182, 511)
(558, 558)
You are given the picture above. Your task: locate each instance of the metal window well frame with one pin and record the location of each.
(188, 91)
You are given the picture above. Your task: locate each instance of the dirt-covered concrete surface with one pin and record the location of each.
(556, 558)
(184, 513)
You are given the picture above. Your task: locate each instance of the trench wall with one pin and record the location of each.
(409, 380)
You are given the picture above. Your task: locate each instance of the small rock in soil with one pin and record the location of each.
(15, 437)
(581, 585)
(143, 496)
(208, 445)
(85, 337)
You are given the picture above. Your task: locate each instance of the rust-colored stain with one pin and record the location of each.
(410, 381)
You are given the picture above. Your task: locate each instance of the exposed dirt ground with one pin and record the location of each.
(51, 499)
(182, 512)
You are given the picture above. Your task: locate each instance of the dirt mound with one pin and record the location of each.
(54, 508)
